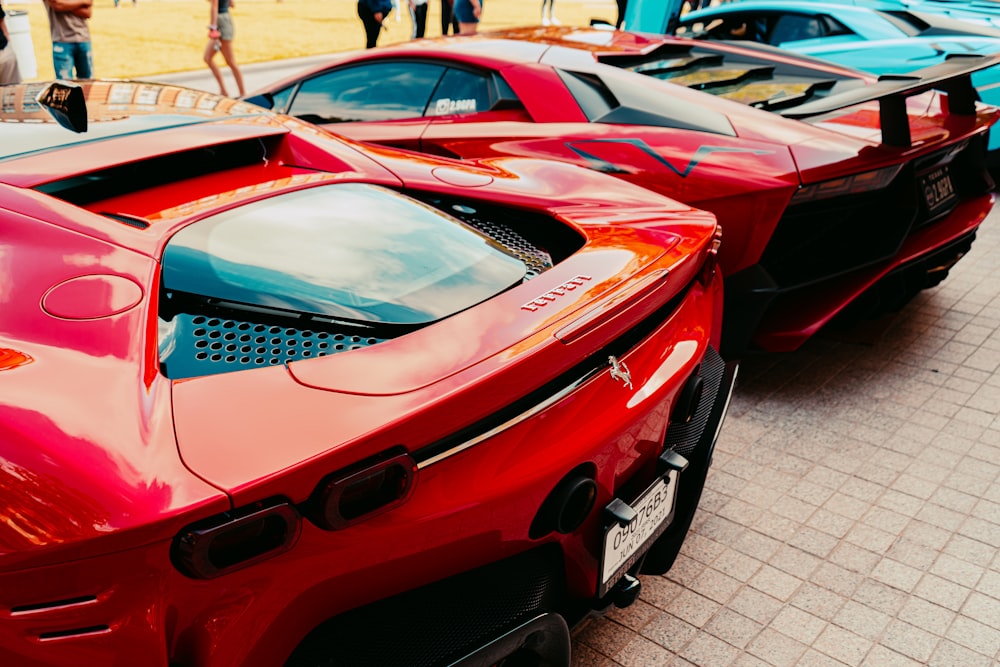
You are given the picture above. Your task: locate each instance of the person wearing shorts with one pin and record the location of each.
(221, 32)
(468, 12)
(72, 57)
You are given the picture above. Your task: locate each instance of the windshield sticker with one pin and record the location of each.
(446, 106)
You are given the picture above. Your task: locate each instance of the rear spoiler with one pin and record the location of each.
(953, 76)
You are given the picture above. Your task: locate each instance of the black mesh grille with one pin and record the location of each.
(538, 239)
(537, 261)
(683, 438)
(440, 622)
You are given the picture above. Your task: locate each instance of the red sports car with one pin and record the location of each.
(839, 194)
(272, 397)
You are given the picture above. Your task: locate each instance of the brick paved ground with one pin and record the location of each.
(852, 514)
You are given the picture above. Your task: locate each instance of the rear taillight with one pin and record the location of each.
(868, 181)
(236, 539)
(363, 491)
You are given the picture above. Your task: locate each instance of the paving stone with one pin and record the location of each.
(926, 615)
(737, 565)
(880, 656)
(950, 654)
(640, 652)
(776, 649)
(756, 605)
(910, 640)
(733, 628)
(862, 620)
(842, 644)
(974, 635)
(585, 656)
(669, 631)
(694, 608)
(706, 649)
(798, 624)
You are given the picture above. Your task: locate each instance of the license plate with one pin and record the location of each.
(624, 545)
(937, 188)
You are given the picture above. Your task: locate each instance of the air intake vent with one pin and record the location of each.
(138, 223)
(538, 240)
(55, 605)
(208, 345)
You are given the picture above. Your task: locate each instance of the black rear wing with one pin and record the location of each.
(953, 76)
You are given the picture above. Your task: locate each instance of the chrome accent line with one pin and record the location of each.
(513, 421)
(57, 606)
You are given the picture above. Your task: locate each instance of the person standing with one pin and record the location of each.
(468, 12)
(448, 19)
(622, 8)
(9, 73)
(72, 56)
(418, 17)
(372, 14)
(548, 17)
(221, 32)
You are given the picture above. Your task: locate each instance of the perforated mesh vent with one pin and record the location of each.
(207, 345)
(535, 260)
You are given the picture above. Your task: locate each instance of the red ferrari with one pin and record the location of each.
(269, 397)
(841, 195)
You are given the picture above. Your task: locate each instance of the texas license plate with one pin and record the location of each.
(937, 188)
(624, 545)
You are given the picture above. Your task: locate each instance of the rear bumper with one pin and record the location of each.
(510, 606)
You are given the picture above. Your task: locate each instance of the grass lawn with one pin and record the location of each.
(159, 36)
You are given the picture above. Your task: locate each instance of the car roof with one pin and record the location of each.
(600, 50)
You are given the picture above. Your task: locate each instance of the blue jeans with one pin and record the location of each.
(67, 56)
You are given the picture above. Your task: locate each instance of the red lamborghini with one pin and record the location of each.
(269, 397)
(839, 193)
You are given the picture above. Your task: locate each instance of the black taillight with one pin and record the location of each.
(363, 491)
(236, 539)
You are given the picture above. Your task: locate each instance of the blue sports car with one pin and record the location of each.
(985, 12)
(882, 42)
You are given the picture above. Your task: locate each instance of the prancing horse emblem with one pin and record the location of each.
(619, 371)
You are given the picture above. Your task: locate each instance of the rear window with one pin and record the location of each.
(352, 252)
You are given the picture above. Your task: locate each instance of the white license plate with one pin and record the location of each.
(937, 188)
(623, 545)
